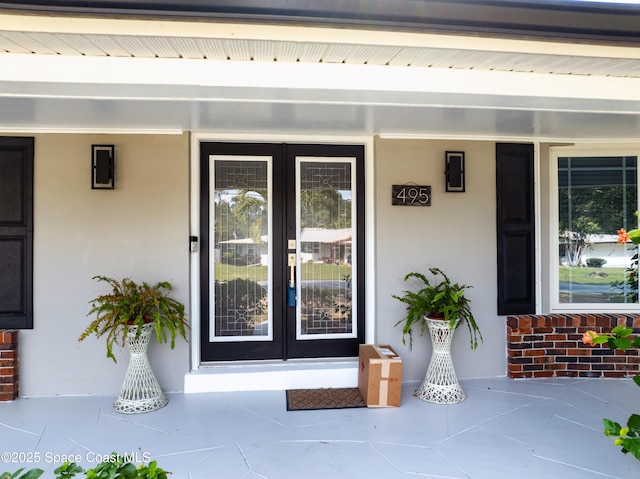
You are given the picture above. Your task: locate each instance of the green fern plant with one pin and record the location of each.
(131, 305)
(442, 300)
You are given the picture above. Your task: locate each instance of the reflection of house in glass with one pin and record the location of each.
(243, 251)
(598, 247)
(317, 245)
(321, 245)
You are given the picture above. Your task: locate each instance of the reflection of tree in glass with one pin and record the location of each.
(325, 304)
(589, 209)
(251, 213)
(325, 208)
(629, 287)
(576, 241)
(223, 228)
(241, 214)
(241, 295)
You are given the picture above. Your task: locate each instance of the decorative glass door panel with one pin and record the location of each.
(281, 251)
(324, 216)
(240, 272)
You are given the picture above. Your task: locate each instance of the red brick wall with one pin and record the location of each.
(551, 346)
(8, 365)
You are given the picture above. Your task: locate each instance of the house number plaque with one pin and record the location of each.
(411, 195)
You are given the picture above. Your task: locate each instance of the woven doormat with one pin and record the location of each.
(329, 398)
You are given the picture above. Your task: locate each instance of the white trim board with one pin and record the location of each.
(321, 372)
(272, 376)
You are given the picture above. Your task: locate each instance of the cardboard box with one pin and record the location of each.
(380, 375)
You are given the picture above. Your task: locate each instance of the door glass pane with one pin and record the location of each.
(325, 196)
(597, 196)
(240, 270)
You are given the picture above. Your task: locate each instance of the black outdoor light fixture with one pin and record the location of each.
(454, 171)
(103, 167)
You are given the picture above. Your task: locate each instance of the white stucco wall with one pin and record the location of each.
(139, 230)
(457, 233)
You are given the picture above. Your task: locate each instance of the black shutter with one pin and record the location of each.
(16, 233)
(516, 228)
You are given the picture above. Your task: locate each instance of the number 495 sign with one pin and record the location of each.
(411, 195)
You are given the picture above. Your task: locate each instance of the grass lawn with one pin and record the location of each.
(311, 271)
(225, 272)
(588, 275)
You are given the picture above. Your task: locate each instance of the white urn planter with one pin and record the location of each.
(140, 390)
(440, 384)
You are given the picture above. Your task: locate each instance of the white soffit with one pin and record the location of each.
(250, 42)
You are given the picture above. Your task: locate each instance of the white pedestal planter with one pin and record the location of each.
(440, 384)
(140, 390)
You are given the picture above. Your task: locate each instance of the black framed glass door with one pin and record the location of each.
(282, 251)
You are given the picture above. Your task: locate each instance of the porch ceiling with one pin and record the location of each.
(117, 74)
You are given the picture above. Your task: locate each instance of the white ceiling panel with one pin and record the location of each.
(265, 52)
(161, 47)
(207, 48)
(287, 50)
(8, 45)
(241, 51)
(290, 52)
(77, 45)
(25, 43)
(311, 52)
(57, 43)
(373, 55)
(105, 45)
(138, 47)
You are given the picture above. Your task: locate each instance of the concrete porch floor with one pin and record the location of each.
(526, 429)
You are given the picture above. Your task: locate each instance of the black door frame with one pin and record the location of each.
(283, 155)
(341, 347)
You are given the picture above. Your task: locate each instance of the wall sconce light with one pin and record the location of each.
(103, 167)
(454, 171)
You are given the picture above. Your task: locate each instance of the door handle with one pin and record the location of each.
(291, 290)
(292, 270)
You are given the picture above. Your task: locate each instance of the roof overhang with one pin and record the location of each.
(97, 73)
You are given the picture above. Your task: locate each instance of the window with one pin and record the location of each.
(596, 195)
